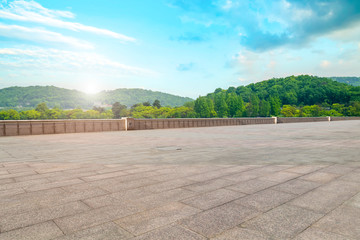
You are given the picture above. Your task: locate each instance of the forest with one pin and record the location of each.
(294, 96)
(28, 97)
(354, 81)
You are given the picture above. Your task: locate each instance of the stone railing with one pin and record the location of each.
(302, 119)
(141, 124)
(37, 127)
(344, 118)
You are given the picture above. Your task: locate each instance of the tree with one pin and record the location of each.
(30, 115)
(354, 108)
(108, 114)
(231, 90)
(275, 106)
(92, 114)
(53, 114)
(264, 108)
(99, 109)
(157, 104)
(10, 114)
(233, 103)
(221, 107)
(117, 108)
(190, 104)
(288, 111)
(147, 104)
(136, 105)
(312, 111)
(203, 107)
(338, 107)
(42, 107)
(252, 108)
(240, 111)
(75, 113)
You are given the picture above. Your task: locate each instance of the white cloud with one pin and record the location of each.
(30, 11)
(41, 35)
(350, 34)
(68, 61)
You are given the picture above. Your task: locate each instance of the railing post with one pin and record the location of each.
(129, 124)
(275, 120)
(125, 123)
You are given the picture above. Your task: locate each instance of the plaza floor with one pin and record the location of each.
(284, 181)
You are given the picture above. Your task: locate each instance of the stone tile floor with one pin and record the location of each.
(288, 181)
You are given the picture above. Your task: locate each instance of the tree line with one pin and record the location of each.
(301, 96)
(142, 110)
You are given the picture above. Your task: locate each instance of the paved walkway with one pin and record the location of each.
(285, 181)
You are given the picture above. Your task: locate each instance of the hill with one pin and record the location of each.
(300, 95)
(29, 97)
(298, 90)
(354, 81)
(132, 96)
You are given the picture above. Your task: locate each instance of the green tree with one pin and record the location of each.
(204, 107)
(354, 108)
(30, 115)
(99, 109)
(42, 108)
(338, 107)
(10, 114)
(117, 108)
(220, 105)
(264, 108)
(289, 111)
(146, 104)
(108, 114)
(74, 113)
(312, 111)
(252, 108)
(190, 104)
(53, 113)
(241, 110)
(157, 104)
(92, 114)
(275, 106)
(233, 103)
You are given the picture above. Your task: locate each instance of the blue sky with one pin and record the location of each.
(183, 47)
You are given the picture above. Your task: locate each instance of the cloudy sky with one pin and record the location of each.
(184, 47)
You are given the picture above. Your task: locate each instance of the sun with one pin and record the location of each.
(91, 89)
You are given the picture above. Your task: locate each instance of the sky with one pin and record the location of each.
(183, 47)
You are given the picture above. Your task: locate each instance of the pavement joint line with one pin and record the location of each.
(328, 213)
(58, 227)
(328, 159)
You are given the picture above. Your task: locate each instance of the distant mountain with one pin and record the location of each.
(354, 81)
(29, 97)
(131, 96)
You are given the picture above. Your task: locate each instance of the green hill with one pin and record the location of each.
(29, 97)
(132, 96)
(354, 81)
(291, 96)
(298, 90)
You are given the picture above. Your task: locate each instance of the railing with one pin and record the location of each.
(141, 124)
(38, 127)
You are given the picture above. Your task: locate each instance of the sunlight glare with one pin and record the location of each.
(91, 89)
